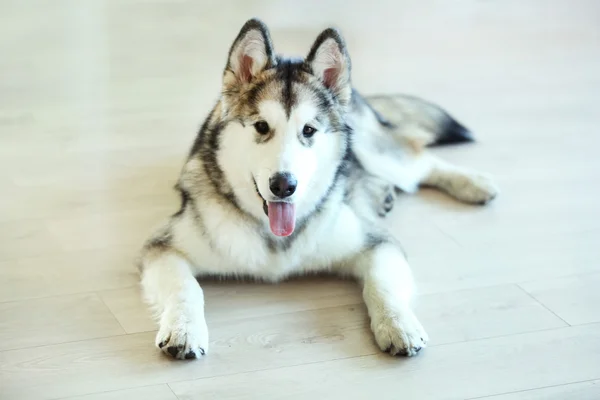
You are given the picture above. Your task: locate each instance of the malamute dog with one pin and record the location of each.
(291, 173)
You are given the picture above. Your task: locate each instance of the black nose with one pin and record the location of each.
(283, 184)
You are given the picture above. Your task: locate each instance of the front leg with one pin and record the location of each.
(171, 289)
(387, 291)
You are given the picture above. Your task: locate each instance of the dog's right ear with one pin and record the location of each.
(251, 53)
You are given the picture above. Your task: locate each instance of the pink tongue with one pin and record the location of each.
(282, 218)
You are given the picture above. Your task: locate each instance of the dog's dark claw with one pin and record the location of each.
(173, 351)
(485, 202)
(190, 355)
(404, 352)
(202, 351)
(162, 344)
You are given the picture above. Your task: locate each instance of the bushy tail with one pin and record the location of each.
(420, 122)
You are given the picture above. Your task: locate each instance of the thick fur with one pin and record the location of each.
(348, 173)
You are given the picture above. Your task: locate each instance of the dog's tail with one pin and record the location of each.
(417, 121)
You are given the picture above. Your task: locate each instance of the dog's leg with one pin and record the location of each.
(170, 287)
(462, 184)
(387, 291)
(413, 168)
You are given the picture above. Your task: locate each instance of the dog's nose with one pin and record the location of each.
(283, 184)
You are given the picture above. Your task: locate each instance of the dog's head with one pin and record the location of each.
(287, 136)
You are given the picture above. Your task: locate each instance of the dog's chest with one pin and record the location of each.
(317, 247)
(261, 254)
(230, 246)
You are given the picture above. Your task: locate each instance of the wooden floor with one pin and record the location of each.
(99, 103)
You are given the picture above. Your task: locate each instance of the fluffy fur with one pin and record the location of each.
(348, 172)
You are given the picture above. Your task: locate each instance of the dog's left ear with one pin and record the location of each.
(251, 53)
(329, 61)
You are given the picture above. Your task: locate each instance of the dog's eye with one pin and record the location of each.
(262, 127)
(308, 131)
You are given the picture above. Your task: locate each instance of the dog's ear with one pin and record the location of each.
(251, 53)
(329, 61)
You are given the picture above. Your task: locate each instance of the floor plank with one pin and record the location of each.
(513, 261)
(68, 273)
(158, 392)
(496, 366)
(50, 320)
(479, 313)
(255, 339)
(575, 299)
(28, 238)
(581, 391)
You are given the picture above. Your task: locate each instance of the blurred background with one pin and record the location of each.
(100, 101)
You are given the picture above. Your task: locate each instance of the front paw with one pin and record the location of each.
(399, 334)
(182, 337)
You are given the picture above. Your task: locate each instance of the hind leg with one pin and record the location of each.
(409, 171)
(462, 184)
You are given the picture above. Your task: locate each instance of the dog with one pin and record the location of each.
(291, 173)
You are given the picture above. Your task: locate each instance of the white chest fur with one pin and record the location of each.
(225, 244)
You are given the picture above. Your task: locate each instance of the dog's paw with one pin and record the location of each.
(386, 204)
(400, 334)
(479, 189)
(183, 339)
(385, 199)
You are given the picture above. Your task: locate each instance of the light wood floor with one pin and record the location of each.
(99, 103)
